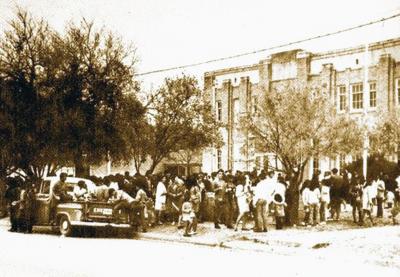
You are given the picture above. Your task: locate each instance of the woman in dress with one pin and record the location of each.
(242, 201)
(161, 198)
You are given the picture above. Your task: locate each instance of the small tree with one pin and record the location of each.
(296, 125)
(136, 132)
(385, 139)
(182, 120)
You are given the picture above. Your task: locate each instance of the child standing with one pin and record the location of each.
(279, 210)
(187, 217)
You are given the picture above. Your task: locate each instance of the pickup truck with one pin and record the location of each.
(80, 213)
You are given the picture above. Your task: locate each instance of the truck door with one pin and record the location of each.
(42, 213)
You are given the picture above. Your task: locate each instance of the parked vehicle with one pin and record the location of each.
(78, 214)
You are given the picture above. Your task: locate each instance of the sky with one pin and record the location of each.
(178, 32)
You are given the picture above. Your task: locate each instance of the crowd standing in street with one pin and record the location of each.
(234, 200)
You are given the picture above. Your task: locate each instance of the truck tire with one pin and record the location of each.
(65, 226)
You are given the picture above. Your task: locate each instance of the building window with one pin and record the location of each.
(372, 95)
(342, 98)
(219, 110)
(254, 105)
(357, 94)
(236, 110)
(219, 159)
(398, 90)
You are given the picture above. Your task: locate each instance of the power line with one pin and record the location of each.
(270, 48)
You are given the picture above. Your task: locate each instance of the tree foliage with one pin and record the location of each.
(182, 120)
(296, 125)
(25, 54)
(65, 98)
(385, 138)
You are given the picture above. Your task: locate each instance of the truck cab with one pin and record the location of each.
(77, 213)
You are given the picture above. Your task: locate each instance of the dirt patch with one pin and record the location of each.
(321, 245)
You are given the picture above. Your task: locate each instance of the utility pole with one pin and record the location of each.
(365, 109)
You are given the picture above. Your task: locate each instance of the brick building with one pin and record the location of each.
(340, 73)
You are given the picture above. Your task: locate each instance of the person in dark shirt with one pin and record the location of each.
(356, 192)
(336, 194)
(12, 196)
(219, 186)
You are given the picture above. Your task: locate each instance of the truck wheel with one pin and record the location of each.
(65, 226)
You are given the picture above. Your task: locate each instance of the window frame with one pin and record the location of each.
(236, 110)
(219, 110)
(397, 88)
(359, 93)
(340, 95)
(219, 158)
(372, 85)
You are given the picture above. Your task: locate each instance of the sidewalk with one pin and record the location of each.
(377, 245)
(292, 236)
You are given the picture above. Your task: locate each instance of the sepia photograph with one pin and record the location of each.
(199, 138)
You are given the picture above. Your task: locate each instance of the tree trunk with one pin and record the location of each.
(81, 169)
(137, 166)
(293, 199)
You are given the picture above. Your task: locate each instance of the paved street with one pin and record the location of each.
(50, 255)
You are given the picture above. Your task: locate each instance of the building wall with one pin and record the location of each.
(244, 86)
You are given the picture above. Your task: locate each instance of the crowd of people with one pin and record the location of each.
(233, 200)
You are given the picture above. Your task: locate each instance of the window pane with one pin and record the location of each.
(342, 98)
(372, 95)
(357, 92)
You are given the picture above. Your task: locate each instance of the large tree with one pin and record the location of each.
(93, 87)
(182, 120)
(26, 62)
(68, 99)
(296, 125)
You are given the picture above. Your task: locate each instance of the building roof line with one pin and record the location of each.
(230, 70)
(356, 49)
(314, 56)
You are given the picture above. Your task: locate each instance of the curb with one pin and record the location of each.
(156, 238)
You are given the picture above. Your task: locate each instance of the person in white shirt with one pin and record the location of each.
(242, 196)
(389, 199)
(80, 191)
(262, 192)
(161, 199)
(367, 201)
(122, 200)
(325, 196)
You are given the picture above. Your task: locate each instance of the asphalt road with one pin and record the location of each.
(51, 255)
